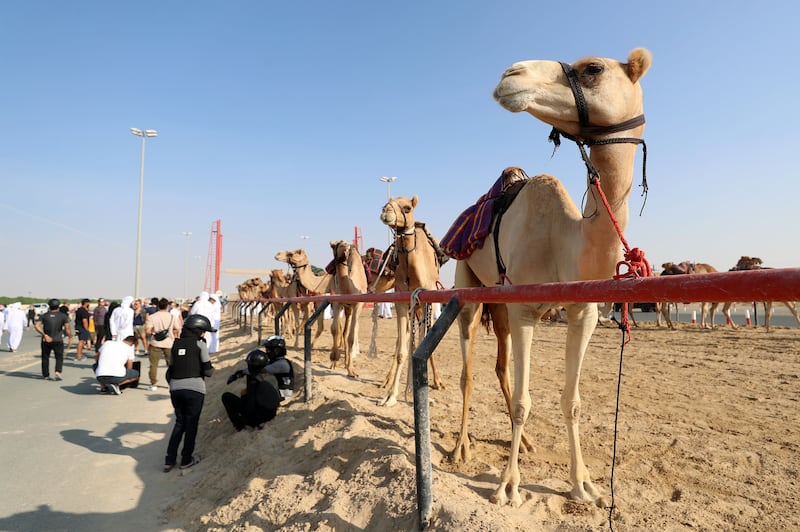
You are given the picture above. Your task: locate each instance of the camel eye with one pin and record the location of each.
(593, 69)
(406, 209)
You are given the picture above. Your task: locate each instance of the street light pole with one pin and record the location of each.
(388, 181)
(187, 234)
(144, 134)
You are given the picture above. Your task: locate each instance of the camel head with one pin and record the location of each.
(398, 213)
(278, 278)
(748, 263)
(295, 259)
(341, 254)
(611, 90)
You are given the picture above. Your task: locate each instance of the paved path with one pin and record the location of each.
(74, 459)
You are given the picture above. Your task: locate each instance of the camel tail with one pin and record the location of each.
(486, 318)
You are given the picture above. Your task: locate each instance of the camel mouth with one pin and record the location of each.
(515, 102)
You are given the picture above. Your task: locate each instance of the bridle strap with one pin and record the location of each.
(588, 132)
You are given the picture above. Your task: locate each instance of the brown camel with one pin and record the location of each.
(348, 278)
(304, 282)
(417, 266)
(381, 279)
(279, 286)
(544, 237)
(252, 289)
(754, 263)
(689, 268)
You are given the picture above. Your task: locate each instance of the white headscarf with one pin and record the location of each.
(126, 302)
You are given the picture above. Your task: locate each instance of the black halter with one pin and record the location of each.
(588, 132)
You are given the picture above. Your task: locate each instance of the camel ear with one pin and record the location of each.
(414, 201)
(333, 244)
(639, 61)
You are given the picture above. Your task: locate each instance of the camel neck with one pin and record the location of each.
(614, 163)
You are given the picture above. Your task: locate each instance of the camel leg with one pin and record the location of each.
(373, 341)
(468, 321)
(767, 314)
(501, 333)
(401, 355)
(437, 382)
(352, 339)
(713, 313)
(522, 319)
(726, 310)
(585, 319)
(793, 309)
(336, 332)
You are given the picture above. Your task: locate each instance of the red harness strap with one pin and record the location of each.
(635, 263)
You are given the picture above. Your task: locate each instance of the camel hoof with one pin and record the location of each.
(586, 492)
(389, 401)
(501, 499)
(462, 453)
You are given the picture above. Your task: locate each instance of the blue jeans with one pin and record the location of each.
(188, 405)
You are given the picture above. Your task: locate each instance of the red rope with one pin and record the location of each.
(634, 260)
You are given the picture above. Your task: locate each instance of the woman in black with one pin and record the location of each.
(189, 365)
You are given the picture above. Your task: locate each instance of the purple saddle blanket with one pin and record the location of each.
(473, 225)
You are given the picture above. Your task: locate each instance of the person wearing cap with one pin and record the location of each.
(114, 368)
(53, 325)
(82, 328)
(269, 379)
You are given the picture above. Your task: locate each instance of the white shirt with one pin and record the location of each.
(114, 355)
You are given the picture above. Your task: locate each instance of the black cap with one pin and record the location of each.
(85, 300)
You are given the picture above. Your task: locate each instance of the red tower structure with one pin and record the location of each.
(214, 260)
(358, 240)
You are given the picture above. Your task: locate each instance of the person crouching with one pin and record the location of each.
(269, 379)
(114, 366)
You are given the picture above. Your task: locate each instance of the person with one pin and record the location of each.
(99, 315)
(189, 365)
(82, 328)
(270, 378)
(3, 314)
(139, 320)
(162, 320)
(53, 325)
(114, 367)
(31, 316)
(203, 306)
(216, 318)
(15, 324)
(121, 319)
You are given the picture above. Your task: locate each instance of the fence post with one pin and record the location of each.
(422, 418)
(278, 316)
(307, 346)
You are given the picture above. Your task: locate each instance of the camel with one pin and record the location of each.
(280, 287)
(304, 282)
(417, 266)
(380, 275)
(754, 263)
(544, 237)
(688, 268)
(349, 277)
(251, 289)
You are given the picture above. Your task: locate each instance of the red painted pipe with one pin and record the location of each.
(776, 284)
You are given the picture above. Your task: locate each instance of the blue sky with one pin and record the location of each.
(278, 118)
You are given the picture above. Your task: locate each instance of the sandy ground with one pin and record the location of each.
(708, 440)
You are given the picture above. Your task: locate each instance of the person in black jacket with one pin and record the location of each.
(268, 375)
(189, 365)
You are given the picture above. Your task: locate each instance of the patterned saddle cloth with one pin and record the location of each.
(473, 225)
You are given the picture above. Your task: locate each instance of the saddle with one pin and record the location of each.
(473, 225)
